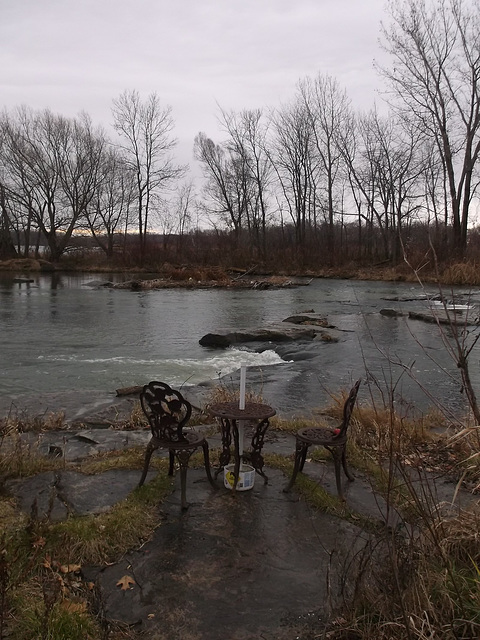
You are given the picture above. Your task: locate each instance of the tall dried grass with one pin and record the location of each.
(23, 422)
(224, 392)
(462, 273)
(420, 580)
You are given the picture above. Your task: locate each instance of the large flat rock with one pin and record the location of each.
(273, 333)
(301, 327)
(252, 564)
(249, 565)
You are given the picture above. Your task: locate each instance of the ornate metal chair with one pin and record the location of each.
(334, 440)
(168, 413)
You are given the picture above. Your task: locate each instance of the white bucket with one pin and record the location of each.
(246, 477)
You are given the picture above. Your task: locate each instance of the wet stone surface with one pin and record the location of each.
(60, 494)
(256, 564)
(253, 564)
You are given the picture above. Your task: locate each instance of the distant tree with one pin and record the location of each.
(292, 156)
(435, 76)
(247, 142)
(145, 131)
(109, 212)
(436, 197)
(7, 247)
(51, 171)
(80, 150)
(386, 171)
(185, 205)
(328, 109)
(226, 188)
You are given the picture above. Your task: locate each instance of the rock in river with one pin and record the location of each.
(309, 326)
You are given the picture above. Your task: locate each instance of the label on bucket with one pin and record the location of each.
(246, 478)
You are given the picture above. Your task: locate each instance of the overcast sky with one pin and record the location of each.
(78, 55)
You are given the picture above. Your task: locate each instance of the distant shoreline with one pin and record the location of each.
(192, 276)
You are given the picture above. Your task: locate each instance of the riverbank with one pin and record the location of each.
(458, 273)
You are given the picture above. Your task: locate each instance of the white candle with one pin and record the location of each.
(243, 379)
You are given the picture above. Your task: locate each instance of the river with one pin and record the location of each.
(65, 340)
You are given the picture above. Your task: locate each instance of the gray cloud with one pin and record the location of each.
(74, 55)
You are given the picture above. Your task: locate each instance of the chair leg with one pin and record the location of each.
(183, 487)
(206, 457)
(344, 465)
(148, 454)
(303, 457)
(183, 456)
(171, 455)
(301, 449)
(337, 457)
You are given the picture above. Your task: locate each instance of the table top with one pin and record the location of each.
(252, 411)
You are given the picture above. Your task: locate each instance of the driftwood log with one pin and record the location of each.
(129, 391)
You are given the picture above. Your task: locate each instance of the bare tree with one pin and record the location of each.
(435, 76)
(247, 141)
(51, 165)
(109, 212)
(436, 196)
(145, 129)
(386, 167)
(292, 157)
(328, 109)
(184, 203)
(7, 247)
(80, 153)
(226, 188)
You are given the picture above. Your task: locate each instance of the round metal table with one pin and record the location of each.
(255, 415)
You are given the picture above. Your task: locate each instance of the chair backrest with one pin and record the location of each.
(167, 411)
(348, 408)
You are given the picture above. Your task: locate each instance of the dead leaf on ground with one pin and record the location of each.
(74, 607)
(70, 568)
(125, 583)
(39, 543)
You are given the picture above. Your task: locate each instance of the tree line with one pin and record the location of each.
(312, 180)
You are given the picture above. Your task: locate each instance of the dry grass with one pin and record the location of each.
(196, 274)
(380, 430)
(225, 393)
(292, 425)
(462, 273)
(426, 583)
(22, 422)
(420, 581)
(136, 419)
(20, 457)
(10, 518)
(427, 443)
(429, 586)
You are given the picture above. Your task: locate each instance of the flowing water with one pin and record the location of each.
(62, 336)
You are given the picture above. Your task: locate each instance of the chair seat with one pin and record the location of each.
(192, 440)
(321, 436)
